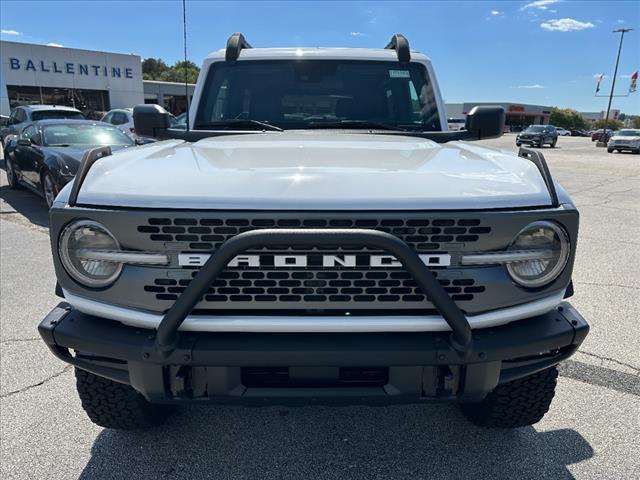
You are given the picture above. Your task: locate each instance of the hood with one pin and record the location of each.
(314, 171)
(629, 138)
(70, 157)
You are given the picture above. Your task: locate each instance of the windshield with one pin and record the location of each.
(65, 134)
(629, 133)
(47, 114)
(315, 93)
(536, 129)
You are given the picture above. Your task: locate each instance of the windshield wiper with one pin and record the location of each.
(366, 124)
(239, 122)
(59, 145)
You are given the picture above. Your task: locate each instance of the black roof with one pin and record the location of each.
(69, 121)
(63, 108)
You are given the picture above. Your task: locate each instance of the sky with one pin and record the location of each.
(539, 51)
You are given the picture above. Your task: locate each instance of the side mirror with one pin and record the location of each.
(151, 120)
(485, 122)
(24, 142)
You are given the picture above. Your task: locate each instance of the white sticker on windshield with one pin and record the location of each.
(399, 74)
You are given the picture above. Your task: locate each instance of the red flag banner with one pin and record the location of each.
(634, 82)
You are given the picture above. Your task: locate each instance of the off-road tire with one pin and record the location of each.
(115, 405)
(515, 404)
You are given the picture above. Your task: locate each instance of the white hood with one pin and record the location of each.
(314, 171)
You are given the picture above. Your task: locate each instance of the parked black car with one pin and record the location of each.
(25, 114)
(538, 135)
(46, 155)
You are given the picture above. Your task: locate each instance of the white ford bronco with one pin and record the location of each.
(315, 235)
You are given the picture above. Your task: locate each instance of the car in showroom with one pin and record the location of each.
(317, 235)
(538, 136)
(625, 140)
(25, 114)
(46, 154)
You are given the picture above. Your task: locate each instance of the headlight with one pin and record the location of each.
(86, 235)
(540, 236)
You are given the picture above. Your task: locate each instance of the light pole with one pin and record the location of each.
(603, 138)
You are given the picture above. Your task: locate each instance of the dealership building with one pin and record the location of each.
(518, 115)
(88, 80)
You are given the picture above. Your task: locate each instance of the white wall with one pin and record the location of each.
(123, 91)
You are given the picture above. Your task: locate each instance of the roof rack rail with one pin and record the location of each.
(538, 160)
(400, 44)
(235, 44)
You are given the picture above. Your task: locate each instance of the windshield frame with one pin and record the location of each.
(433, 105)
(43, 129)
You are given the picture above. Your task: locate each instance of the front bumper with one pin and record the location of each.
(312, 367)
(529, 141)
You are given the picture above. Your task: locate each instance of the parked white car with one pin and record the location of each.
(562, 132)
(121, 118)
(625, 139)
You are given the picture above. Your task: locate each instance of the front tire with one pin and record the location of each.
(115, 405)
(553, 144)
(515, 404)
(49, 188)
(12, 178)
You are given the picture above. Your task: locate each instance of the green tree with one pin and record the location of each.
(611, 124)
(176, 73)
(566, 118)
(153, 68)
(635, 121)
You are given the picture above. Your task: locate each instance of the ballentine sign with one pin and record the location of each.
(71, 68)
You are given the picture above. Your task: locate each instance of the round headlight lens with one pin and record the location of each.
(547, 237)
(83, 235)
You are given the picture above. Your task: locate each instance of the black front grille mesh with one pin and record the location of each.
(209, 233)
(344, 286)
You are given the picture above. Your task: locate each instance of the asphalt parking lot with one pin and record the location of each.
(592, 430)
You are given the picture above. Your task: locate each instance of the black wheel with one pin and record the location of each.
(115, 405)
(553, 144)
(49, 188)
(515, 404)
(12, 179)
(610, 150)
(518, 144)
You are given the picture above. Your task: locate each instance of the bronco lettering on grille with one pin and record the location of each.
(297, 261)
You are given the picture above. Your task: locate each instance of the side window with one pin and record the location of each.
(20, 115)
(31, 133)
(119, 118)
(13, 118)
(108, 118)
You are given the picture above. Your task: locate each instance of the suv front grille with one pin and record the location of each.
(314, 287)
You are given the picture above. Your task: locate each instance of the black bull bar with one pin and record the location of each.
(167, 333)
